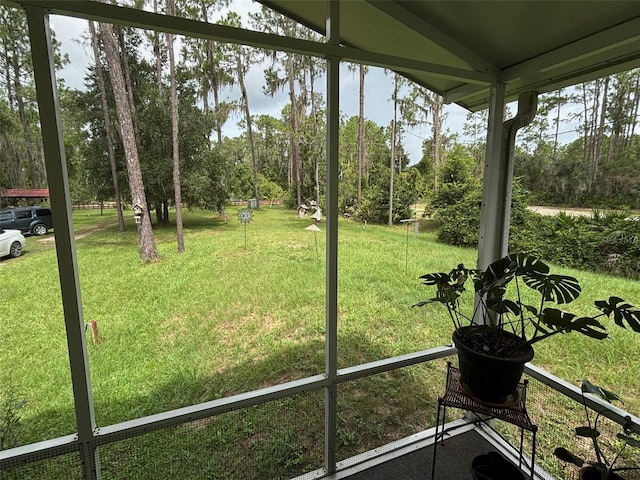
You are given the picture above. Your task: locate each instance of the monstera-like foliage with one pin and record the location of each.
(499, 300)
(622, 311)
(603, 462)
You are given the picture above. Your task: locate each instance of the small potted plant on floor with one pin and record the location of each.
(494, 338)
(603, 467)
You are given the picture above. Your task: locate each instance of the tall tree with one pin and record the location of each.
(107, 123)
(16, 60)
(148, 251)
(361, 151)
(475, 127)
(394, 124)
(285, 70)
(157, 50)
(423, 107)
(126, 70)
(599, 137)
(242, 67)
(313, 66)
(175, 134)
(213, 71)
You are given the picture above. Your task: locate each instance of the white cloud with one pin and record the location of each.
(72, 34)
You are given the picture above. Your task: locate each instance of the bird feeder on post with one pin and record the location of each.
(137, 214)
(314, 228)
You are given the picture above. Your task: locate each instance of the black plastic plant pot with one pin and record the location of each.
(490, 379)
(494, 466)
(591, 473)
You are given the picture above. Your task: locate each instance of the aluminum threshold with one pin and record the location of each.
(372, 460)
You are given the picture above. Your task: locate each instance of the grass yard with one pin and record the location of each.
(222, 319)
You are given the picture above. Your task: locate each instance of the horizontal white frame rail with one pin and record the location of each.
(140, 426)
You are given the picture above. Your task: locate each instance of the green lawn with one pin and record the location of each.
(222, 319)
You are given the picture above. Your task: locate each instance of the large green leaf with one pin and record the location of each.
(442, 296)
(497, 275)
(435, 278)
(502, 271)
(529, 265)
(587, 432)
(502, 305)
(567, 322)
(565, 455)
(622, 312)
(555, 288)
(449, 287)
(603, 393)
(632, 442)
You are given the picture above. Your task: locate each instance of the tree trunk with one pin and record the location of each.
(361, 134)
(127, 77)
(636, 91)
(392, 166)
(585, 112)
(315, 133)
(15, 175)
(148, 251)
(33, 175)
(245, 105)
(436, 111)
(107, 123)
(157, 51)
(174, 135)
(295, 144)
(557, 121)
(597, 154)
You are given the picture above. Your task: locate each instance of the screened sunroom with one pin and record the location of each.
(363, 410)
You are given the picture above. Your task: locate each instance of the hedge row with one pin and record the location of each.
(603, 242)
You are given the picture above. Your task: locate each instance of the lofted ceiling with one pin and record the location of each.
(536, 46)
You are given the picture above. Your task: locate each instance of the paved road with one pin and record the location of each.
(574, 212)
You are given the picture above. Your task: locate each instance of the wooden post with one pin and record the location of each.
(94, 330)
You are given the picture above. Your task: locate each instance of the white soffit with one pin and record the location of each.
(528, 45)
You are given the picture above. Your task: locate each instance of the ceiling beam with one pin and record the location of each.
(102, 12)
(433, 34)
(461, 92)
(476, 99)
(578, 53)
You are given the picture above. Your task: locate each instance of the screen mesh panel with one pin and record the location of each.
(380, 409)
(62, 467)
(279, 440)
(557, 416)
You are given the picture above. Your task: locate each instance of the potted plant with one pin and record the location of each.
(603, 467)
(494, 466)
(495, 337)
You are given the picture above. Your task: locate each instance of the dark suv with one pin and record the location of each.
(33, 220)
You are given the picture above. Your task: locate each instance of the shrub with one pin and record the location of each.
(457, 208)
(606, 243)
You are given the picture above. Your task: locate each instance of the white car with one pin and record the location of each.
(11, 243)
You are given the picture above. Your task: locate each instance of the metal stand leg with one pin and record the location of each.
(515, 414)
(521, 445)
(533, 450)
(435, 441)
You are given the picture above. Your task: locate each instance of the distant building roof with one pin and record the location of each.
(24, 192)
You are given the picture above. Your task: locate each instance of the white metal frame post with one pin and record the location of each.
(495, 216)
(331, 336)
(492, 213)
(56, 166)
